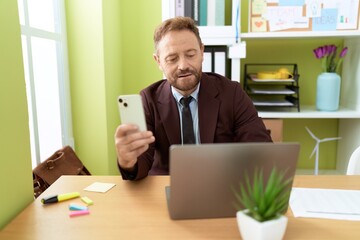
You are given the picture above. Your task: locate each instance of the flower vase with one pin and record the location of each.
(328, 91)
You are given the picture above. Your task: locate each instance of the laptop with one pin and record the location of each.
(202, 176)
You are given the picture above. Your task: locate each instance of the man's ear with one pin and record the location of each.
(157, 60)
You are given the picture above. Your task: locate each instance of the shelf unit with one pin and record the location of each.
(267, 94)
(349, 111)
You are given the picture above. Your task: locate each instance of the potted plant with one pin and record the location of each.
(261, 205)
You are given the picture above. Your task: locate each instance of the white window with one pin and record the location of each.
(46, 76)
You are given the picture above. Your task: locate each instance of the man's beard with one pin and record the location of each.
(191, 84)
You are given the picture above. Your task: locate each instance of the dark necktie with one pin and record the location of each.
(187, 123)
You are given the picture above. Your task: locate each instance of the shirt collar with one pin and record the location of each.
(178, 96)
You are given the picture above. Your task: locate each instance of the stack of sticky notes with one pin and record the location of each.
(78, 210)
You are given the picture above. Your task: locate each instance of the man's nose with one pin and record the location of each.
(183, 63)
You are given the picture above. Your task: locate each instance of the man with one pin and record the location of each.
(221, 111)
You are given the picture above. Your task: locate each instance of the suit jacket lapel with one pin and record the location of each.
(208, 109)
(169, 113)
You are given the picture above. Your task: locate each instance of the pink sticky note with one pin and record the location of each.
(78, 213)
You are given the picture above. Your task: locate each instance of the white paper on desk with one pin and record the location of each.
(325, 203)
(99, 187)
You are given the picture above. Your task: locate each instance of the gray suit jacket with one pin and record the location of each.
(226, 114)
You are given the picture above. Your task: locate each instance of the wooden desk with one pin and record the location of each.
(137, 210)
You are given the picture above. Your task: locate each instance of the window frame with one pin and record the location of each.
(60, 38)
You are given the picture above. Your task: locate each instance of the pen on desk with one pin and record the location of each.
(60, 197)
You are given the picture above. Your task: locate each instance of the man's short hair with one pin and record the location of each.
(175, 24)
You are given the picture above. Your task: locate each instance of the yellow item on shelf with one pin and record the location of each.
(267, 75)
(282, 73)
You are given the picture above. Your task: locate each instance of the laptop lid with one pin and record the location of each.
(202, 176)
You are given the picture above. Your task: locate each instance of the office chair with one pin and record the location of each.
(354, 163)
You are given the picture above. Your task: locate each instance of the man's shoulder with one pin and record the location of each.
(154, 87)
(218, 80)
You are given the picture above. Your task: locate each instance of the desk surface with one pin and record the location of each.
(137, 210)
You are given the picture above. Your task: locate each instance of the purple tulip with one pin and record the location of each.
(327, 54)
(343, 52)
(325, 50)
(332, 49)
(328, 49)
(318, 52)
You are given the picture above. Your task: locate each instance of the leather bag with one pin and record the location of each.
(62, 162)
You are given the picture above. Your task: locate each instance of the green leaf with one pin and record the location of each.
(258, 186)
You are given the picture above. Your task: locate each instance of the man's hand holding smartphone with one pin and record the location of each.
(131, 137)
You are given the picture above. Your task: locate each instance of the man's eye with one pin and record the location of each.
(171, 60)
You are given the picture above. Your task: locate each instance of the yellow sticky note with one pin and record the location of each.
(87, 200)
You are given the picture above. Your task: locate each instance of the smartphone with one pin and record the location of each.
(131, 110)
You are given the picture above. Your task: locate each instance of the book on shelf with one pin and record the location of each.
(188, 8)
(211, 5)
(207, 63)
(220, 13)
(204, 12)
(196, 10)
(215, 12)
(179, 8)
(215, 58)
(220, 62)
(191, 9)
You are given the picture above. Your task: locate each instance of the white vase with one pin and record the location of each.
(250, 229)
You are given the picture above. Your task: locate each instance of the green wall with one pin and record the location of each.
(15, 171)
(138, 21)
(110, 53)
(87, 82)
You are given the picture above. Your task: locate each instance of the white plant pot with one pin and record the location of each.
(250, 229)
